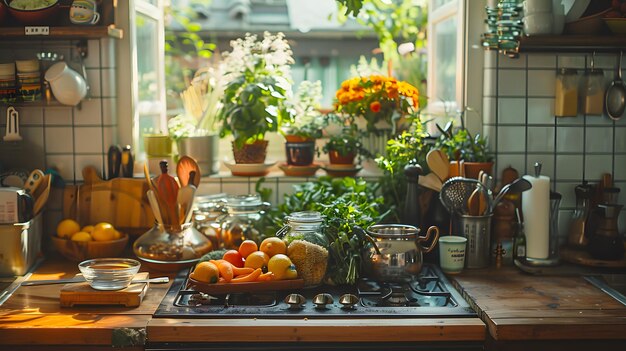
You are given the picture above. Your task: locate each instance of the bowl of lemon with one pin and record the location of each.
(78, 243)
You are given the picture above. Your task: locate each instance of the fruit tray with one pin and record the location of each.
(226, 288)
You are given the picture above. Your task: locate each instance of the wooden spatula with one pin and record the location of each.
(438, 164)
(167, 191)
(184, 167)
(473, 203)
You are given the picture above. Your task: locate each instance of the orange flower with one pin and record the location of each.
(375, 106)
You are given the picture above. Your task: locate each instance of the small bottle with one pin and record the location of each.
(519, 247)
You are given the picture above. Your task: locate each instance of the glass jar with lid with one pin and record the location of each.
(171, 248)
(243, 220)
(566, 94)
(206, 212)
(593, 92)
(306, 225)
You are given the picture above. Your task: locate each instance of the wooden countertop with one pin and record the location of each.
(519, 306)
(512, 304)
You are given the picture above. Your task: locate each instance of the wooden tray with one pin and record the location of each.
(583, 258)
(83, 294)
(225, 288)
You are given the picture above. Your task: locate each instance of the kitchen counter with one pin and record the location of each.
(518, 310)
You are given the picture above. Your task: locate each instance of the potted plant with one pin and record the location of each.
(257, 86)
(306, 126)
(468, 153)
(195, 131)
(344, 148)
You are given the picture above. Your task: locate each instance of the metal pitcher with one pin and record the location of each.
(396, 253)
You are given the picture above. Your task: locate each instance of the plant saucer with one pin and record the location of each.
(342, 170)
(249, 169)
(299, 171)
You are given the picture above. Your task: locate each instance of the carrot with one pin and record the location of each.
(266, 277)
(226, 270)
(248, 277)
(242, 271)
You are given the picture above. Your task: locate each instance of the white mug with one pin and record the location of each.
(84, 12)
(68, 87)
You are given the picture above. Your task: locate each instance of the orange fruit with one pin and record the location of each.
(234, 258)
(81, 236)
(273, 246)
(104, 232)
(87, 228)
(67, 227)
(247, 247)
(206, 272)
(257, 259)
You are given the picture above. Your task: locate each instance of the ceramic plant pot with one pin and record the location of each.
(300, 154)
(251, 153)
(337, 159)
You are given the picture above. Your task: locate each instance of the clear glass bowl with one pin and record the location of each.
(109, 273)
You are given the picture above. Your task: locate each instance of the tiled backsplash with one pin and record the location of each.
(518, 106)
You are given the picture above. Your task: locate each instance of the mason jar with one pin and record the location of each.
(306, 225)
(243, 220)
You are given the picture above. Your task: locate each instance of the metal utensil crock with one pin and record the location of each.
(398, 251)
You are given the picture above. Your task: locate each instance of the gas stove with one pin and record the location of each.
(428, 295)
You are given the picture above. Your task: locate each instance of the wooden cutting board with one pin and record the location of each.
(83, 294)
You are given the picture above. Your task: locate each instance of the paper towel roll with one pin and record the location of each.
(536, 210)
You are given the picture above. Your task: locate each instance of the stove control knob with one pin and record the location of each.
(295, 300)
(321, 300)
(348, 300)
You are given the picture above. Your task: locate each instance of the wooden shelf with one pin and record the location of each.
(573, 43)
(65, 32)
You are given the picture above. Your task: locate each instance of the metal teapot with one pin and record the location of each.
(396, 253)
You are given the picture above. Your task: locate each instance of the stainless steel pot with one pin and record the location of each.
(397, 253)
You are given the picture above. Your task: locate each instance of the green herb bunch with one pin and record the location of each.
(258, 84)
(345, 203)
(459, 144)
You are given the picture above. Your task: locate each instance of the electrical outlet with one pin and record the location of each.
(37, 30)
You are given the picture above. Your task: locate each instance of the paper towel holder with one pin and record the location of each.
(537, 169)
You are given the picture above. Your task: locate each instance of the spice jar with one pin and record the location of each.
(566, 94)
(593, 92)
(242, 221)
(306, 225)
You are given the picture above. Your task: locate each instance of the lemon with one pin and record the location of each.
(67, 227)
(81, 236)
(87, 229)
(104, 232)
(282, 267)
(273, 246)
(206, 272)
(257, 259)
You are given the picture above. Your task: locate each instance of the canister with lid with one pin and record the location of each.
(566, 94)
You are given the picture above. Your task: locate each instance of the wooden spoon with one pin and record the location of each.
(42, 198)
(430, 181)
(185, 166)
(438, 163)
(473, 203)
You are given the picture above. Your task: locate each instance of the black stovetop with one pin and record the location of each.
(430, 294)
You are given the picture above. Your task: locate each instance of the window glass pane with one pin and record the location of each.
(445, 58)
(438, 3)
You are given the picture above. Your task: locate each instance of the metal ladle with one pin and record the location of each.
(615, 98)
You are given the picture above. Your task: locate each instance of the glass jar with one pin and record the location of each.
(566, 94)
(301, 225)
(593, 92)
(171, 249)
(242, 221)
(206, 213)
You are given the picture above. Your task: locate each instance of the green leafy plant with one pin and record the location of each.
(344, 203)
(258, 84)
(460, 144)
(308, 121)
(346, 143)
(410, 147)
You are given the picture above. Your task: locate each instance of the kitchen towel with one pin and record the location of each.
(536, 210)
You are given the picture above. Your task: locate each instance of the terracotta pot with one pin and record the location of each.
(297, 139)
(336, 158)
(300, 154)
(251, 153)
(470, 169)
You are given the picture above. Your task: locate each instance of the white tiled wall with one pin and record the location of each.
(519, 121)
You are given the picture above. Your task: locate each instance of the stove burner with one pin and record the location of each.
(429, 294)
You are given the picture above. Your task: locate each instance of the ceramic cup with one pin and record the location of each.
(68, 87)
(538, 23)
(536, 6)
(84, 12)
(452, 253)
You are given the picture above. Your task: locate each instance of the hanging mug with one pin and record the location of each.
(68, 87)
(84, 12)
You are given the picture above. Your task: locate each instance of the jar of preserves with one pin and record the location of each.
(566, 94)
(171, 249)
(243, 220)
(593, 92)
(306, 225)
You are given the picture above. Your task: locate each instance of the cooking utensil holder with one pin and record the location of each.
(477, 230)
